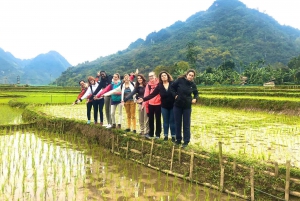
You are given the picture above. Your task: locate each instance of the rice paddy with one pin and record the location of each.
(252, 134)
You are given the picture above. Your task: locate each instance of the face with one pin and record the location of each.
(164, 77)
(103, 75)
(126, 78)
(190, 76)
(92, 82)
(151, 76)
(115, 77)
(139, 79)
(82, 83)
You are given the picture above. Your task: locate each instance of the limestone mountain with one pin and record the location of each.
(40, 70)
(227, 30)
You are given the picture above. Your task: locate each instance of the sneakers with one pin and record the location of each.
(156, 137)
(119, 126)
(177, 143)
(113, 126)
(166, 138)
(108, 126)
(148, 136)
(127, 130)
(134, 131)
(184, 145)
(101, 123)
(88, 122)
(173, 139)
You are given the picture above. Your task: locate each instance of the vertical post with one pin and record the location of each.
(113, 144)
(252, 183)
(276, 169)
(172, 158)
(192, 165)
(222, 179)
(150, 157)
(127, 149)
(287, 180)
(220, 155)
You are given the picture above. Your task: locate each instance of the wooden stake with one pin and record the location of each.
(276, 169)
(172, 158)
(287, 181)
(150, 157)
(127, 149)
(113, 144)
(192, 165)
(220, 155)
(252, 183)
(222, 179)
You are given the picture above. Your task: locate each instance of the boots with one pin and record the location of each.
(119, 126)
(113, 126)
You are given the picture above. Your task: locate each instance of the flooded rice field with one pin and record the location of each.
(9, 115)
(37, 165)
(252, 134)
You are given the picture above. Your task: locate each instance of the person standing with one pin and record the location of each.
(104, 82)
(153, 107)
(93, 85)
(126, 88)
(182, 90)
(167, 102)
(139, 89)
(110, 90)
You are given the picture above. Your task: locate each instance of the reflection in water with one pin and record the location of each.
(35, 167)
(10, 115)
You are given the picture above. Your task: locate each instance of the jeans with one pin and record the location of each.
(98, 106)
(183, 116)
(89, 106)
(168, 121)
(154, 110)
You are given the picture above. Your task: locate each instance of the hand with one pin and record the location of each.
(74, 103)
(176, 96)
(140, 100)
(77, 101)
(194, 100)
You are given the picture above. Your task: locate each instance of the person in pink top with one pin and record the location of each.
(153, 107)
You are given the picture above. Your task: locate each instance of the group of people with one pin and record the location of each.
(158, 97)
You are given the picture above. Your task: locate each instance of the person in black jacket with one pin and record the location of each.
(167, 101)
(181, 90)
(104, 82)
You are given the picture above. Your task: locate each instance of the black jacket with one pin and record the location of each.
(139, 91)
(183, 89)
(103, 84)
(166, 97)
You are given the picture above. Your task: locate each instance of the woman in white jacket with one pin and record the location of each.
(97, 104)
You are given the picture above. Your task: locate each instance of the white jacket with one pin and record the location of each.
(90, 91)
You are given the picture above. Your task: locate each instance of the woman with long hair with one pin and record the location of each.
(115, 99)
(182, 90)
(167, 101)
(97, 104)
(139, 89)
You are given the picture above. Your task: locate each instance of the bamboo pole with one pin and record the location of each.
(287, 181)
(192, 165)
(252, 183)
(127, 148)
(150, 157)
(113, 144)
(172, 158)
(276, 169)
(220, 155)
(222, 179)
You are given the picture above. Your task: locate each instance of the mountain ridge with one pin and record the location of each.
(40, 70)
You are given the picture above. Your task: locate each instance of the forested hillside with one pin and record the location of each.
(227, 31)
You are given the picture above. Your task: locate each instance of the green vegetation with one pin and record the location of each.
(222, 43)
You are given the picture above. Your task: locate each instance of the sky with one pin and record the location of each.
(84, 30)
